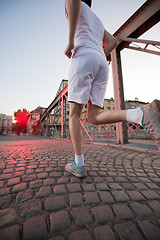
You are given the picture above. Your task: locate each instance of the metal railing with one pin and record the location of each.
(54, 121)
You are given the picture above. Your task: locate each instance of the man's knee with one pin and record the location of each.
(75, 110)
(92, 113)
(92, 117)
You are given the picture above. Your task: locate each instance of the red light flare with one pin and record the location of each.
(22, 119)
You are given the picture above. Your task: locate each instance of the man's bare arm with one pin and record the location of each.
(73, 8)
(110, 42)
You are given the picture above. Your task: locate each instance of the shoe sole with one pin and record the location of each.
(75, 174)
(156, 107)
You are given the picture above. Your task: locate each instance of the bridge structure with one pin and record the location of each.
(140, 22)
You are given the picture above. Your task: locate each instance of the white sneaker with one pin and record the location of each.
(75, 170)
(151, 120)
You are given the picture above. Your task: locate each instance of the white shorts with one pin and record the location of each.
(88, 77)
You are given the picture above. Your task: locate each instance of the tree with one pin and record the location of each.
(21, 118)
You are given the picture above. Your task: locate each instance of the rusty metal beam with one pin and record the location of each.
(130, 40)
(142, 41)
(144, 50)
(121, 128)
(141, 21)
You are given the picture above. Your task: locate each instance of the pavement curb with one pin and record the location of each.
(136, 149)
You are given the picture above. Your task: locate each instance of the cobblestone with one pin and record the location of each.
(101, 232)
(7, 217)
(59, 221)
(19, 174)
(13, 181)
(63, 180)
(60, 189)
(92, 198)
(30, 208)
(136, 196)
(27, 178)
(5, 176)
(125, 230)
(141, 209)
(44, 192)
(102, 186)
(49, 181)
(102, 214)
(19, 187)
(5, 201)
(36, 184)
(4, 191)
(106, 197)
(42, 175)
(10, 233)
(79, 235)
(155, 205)
(35, 228)
(24, 196)
(75, 199)
(81, 216)
(122, 211)
(87, 187)
(149, 194)
(150, 231)
(74, 187)
(119, 198)
(55, 203)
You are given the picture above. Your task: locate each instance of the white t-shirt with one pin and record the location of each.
(90, 30)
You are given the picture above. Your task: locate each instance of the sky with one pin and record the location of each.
(33, 37)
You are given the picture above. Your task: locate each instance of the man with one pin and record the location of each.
(88, 79)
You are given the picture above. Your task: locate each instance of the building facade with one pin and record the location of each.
(33, 126)
(5, 124)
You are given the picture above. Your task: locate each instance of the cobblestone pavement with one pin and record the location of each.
(119, 198)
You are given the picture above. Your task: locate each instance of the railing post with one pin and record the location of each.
(49, 124)
(121, 128)
(65, 116)
(62, 117)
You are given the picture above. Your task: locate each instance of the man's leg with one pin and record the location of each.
(148, 116)
(77, 167)
(97, 116)
(75, 127)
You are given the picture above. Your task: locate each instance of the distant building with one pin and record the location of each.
(108, 104)
(33, 122)
(132, 104)
(5, 124)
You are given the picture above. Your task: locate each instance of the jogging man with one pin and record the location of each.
(88, 78)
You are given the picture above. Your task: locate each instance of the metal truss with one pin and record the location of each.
(141, 21)
(146, 44)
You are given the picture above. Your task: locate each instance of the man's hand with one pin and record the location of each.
(68, 50)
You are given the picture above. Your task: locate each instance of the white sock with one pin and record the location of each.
(135, 115)
(79, 159)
